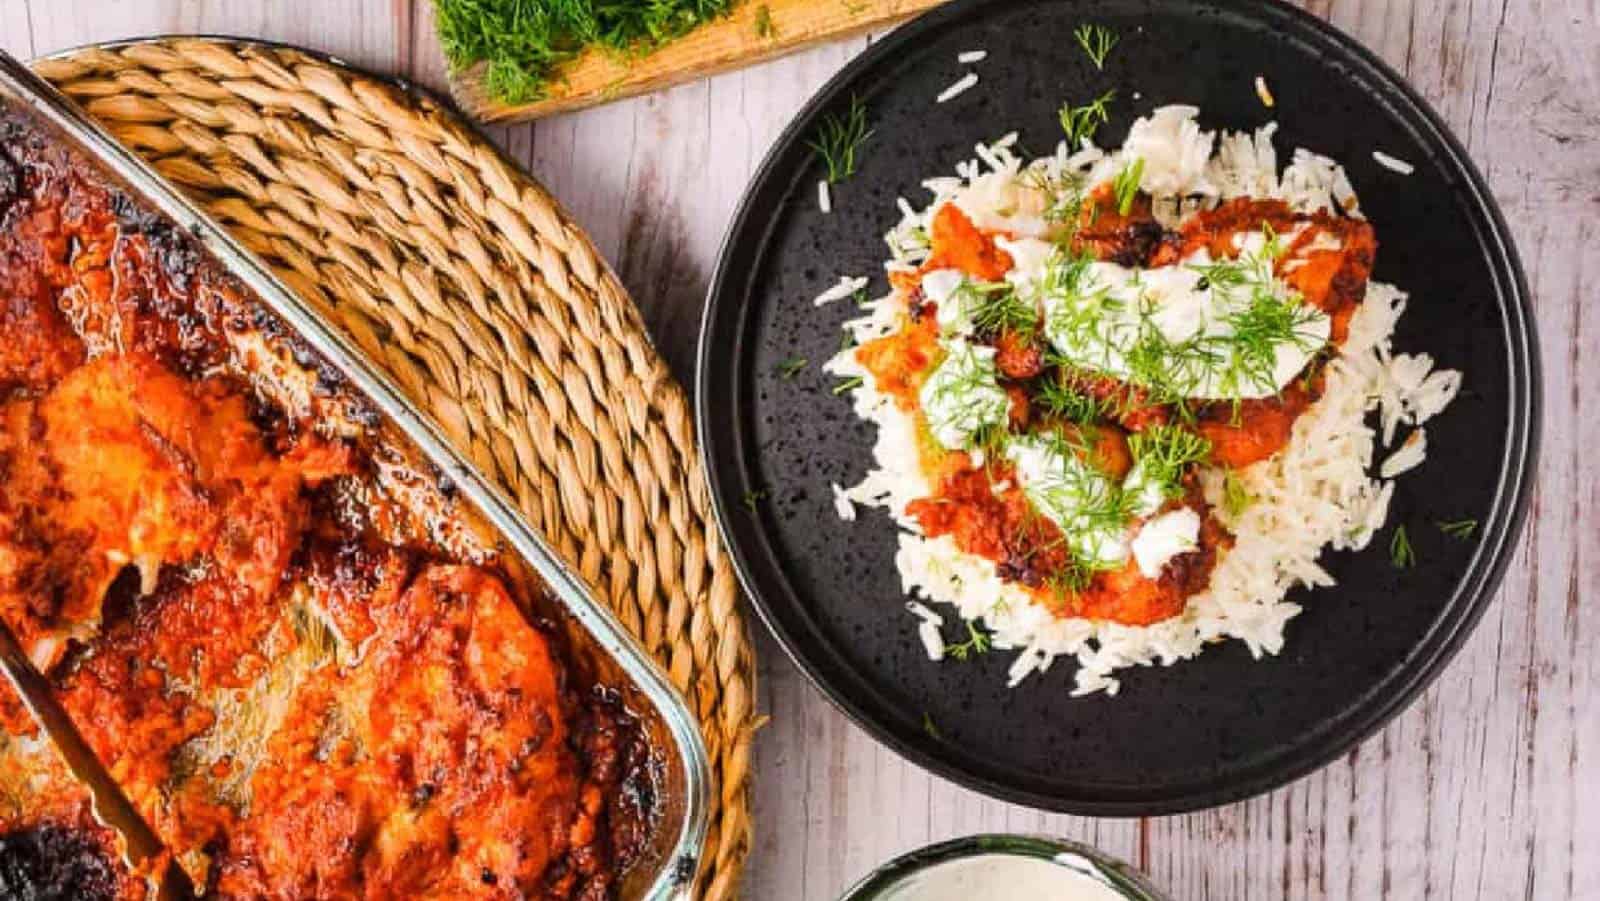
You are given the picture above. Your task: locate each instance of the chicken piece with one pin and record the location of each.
(955, 243)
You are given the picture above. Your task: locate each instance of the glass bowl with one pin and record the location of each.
(895, 879)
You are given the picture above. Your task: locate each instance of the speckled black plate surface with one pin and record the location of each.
(1209, 730)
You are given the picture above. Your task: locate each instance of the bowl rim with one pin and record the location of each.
(1087, 860)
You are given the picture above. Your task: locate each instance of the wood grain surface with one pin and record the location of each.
(755, 30)
(1485, 788)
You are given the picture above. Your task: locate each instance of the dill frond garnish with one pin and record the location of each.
(1061, 400)
(751, 499)
(996, 307)
(791, 367)
(849, 384)
(1081, 122)
(977, 642)
(524, 43)
(962, 395)
(1126, 186)
(1461, 528)
(1235, 497)
(1400, 552)
(928, 727)
(1097, 41)
(1163, 453)
(839, 140)
(1076, 494)
(764, 27)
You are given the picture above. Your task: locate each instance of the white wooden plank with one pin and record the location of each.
(363, 32)
(16, 28)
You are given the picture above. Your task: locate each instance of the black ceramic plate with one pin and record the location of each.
(1212, 729)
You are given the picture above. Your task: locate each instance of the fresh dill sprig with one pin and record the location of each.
(1126, 185)
(1078, 494)
(929, 728)
(839, 140)
(1081, 122)
(1097, 41)
(1400, 552)
(1235, 497)
(1162, 454)
(991, 439)
(523, 44)
(1460, 528)
(1061, 400)
(751, 498)
(1063, 194)
(849, 384)
(996, 307)
(977, 642)
(764, 27)
(791, 367)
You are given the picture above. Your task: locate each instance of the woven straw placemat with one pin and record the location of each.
(467, 281)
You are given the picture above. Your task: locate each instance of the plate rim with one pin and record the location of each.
(1484, 571)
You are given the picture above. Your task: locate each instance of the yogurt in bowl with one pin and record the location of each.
(1003, 866)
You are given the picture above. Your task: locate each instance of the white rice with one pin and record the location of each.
(824, 196)
(965, 83)
(1264, 93)
(1393, 163)
(846, 287)
(972, 56)
(1316, 493)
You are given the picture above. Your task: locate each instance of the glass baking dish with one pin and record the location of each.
(666, 867)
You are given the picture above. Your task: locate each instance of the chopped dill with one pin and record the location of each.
(1062, 400)
(1235, 497)
(1069, 580)
(752, 498)
(1126, 185)
(996, 308)
(977, 642)
(1461, 528)
(764, 27)
(929, 727)
(991, 439)
(860, 298)
(1063, 198)
(1231, 362)
(1081, 122)
(1400, 552)
(838, 141)
(847, 340)
(523, 44)
(1097, 41)
(849, 384)
(1163, 453)
(791, 367)
(1080, 497)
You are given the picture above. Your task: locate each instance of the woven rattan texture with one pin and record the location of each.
(467, 281)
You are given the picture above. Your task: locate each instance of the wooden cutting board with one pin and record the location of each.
(755, 30)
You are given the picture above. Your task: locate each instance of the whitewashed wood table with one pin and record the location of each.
(1488, 787)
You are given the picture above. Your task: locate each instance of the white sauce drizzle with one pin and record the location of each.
(1165, 537)
(1114, 300)
(962, 395)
